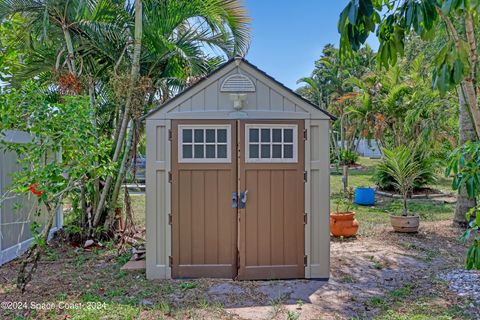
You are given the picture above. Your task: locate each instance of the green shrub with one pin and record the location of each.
(347, 157)
(384, 180)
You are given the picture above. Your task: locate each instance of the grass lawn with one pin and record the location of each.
(371, 217)
(378, 275)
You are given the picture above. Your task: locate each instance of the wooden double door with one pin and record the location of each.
(238, 199)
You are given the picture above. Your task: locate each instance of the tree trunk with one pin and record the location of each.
(121, 175)
(126, 117)
(467, 132)
(470, 83)
(71, 52)
(405, 204)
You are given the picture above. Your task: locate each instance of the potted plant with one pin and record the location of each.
(343, 222)
(404, 169)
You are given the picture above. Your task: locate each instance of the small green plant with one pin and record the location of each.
(163, 307)
(123, 258)
(348, 157)
(90, 297)
(293, 315)
(347, 279)
(383, 179)
(404, 168)
(299, 304)
(115, 292)
(377, 264)
(377, 301)
(402, 292)
(51, 255)
(203, 304)
(80, 260)
(187, 285)
(62, 296)
(344, 202)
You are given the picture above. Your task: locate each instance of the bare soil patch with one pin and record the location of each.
(371, 277)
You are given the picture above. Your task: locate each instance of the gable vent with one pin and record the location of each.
(237, 83)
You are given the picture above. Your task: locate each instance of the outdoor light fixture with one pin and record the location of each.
(238, 100)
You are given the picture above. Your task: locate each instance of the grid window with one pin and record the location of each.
(267, 143)
(204, 143)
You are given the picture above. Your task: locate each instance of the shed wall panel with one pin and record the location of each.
(319, 222)
(263, 96)
(211, 97)
(157, 199)
(198, 101)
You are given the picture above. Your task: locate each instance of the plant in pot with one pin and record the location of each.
(342, 221)
(402, 165)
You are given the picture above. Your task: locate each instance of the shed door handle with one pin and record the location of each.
(234, 200)
(243, 199)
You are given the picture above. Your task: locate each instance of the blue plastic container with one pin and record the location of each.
(365, 196)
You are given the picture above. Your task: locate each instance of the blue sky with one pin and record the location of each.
(288, 35)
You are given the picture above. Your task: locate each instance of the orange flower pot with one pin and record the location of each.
(343, 224)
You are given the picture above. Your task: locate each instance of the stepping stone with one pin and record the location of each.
(134, 265)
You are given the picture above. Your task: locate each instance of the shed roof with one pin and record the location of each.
(224, 66)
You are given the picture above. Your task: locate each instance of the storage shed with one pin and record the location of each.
(237, 181)
(16, 212)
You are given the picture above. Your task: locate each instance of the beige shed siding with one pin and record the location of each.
(266, 98)
(158, 200)
(210, 98)
(269, 101)
(319, 201)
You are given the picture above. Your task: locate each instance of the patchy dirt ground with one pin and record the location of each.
(385, 276)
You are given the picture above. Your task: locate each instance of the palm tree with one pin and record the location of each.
(97, 45)
(403, 167)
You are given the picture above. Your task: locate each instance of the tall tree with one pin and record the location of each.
(92, 48)
(456, 63)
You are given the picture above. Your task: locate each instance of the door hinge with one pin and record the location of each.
(305, 260)
(305, 176)
(238, 259)
(169, 134)
(170, 176)
(305, 218)
(170, 261)
(305, 134)
(170, 219)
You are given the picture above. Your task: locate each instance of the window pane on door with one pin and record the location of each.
(222, 135)
(265, 135)
(288, 151)
(265, 151)
(187, 135)
(204, 143)
(277, 151)
(199, 151)
(287, 135)
(273, 143)
(253, 135)
(187, 151)
(253, 152)
(222, 151)
(199, 135)
(210, 151)
(277, 135)
(210, 135)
